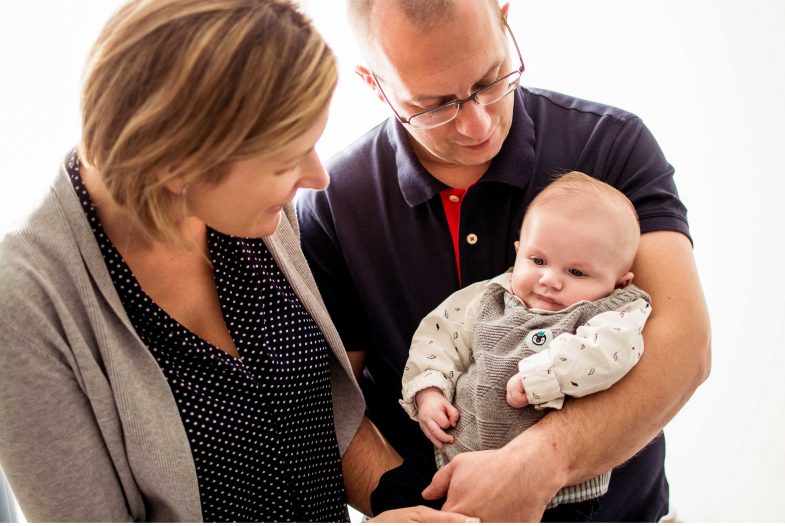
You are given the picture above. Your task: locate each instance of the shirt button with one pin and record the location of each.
(471, 239)
(454, 198)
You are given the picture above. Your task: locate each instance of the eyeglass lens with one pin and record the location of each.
(486, 96)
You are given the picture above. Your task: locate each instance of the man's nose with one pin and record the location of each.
(473, 120)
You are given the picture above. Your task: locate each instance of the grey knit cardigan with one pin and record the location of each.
(89, 429)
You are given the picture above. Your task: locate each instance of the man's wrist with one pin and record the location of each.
(536, 447)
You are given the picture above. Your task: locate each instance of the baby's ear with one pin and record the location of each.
(517, 245)
(625, 280)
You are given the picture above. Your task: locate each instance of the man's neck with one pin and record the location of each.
(456, 176)
(453, 175)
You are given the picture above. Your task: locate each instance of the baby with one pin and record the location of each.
(564, 321)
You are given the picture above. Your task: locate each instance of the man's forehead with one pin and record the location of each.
(443, 59)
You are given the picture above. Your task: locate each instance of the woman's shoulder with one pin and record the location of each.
(31, 244)
(37, 260)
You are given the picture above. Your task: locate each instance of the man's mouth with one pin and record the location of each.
(479, 145)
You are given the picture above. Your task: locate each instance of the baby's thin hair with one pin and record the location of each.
(579, 192)
(583, 190)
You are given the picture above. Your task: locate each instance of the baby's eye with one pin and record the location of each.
(538, 261)
(577, 273)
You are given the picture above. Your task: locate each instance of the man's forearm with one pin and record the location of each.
(593, 434)
(367, 458)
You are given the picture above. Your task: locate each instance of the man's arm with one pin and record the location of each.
(364, 462)
(357, 361)
(593, 434)
(367, 458)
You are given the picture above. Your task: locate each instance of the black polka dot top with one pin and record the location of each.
(260, 428)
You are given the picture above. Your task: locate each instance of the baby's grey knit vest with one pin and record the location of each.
(499, 343)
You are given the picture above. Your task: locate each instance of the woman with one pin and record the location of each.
(164, 352)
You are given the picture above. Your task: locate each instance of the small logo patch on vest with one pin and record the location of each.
(539, 339)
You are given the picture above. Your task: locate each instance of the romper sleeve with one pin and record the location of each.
(598, 355)
(441, 347)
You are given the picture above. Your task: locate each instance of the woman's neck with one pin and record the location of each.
(124, 231)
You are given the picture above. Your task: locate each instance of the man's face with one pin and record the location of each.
(425, 69)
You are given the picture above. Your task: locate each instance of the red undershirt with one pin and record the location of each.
(451, 202)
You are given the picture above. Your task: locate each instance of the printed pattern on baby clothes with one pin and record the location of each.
(486, 420)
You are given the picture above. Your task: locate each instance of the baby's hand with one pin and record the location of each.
(435, 413)
(516, 394)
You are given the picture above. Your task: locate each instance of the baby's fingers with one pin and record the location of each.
(437, 433)
(452, 414)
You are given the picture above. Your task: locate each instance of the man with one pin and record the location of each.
(431, 201)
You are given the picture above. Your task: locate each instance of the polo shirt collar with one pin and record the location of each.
(513, 164)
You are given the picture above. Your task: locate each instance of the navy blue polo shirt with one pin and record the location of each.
(380, 248)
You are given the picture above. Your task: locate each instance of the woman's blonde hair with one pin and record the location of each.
(180, 88)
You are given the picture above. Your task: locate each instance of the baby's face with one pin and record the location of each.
(563, 258)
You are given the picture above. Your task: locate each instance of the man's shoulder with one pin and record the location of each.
(542, 102)
(356, 173)
(361, 151)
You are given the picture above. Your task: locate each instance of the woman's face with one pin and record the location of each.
(248, 200)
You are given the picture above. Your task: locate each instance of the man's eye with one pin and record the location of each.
(538, 261)
(577, 273)
(436, 106)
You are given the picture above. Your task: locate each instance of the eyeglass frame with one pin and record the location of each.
(458, 103)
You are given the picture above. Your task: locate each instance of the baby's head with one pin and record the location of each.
(578, 242)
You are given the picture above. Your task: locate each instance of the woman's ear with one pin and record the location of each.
(176, 184)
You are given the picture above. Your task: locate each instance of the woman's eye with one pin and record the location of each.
(285, 170)
(577, 273)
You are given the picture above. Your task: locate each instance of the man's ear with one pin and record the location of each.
(625, 280)
(505, 9)
(367, 77)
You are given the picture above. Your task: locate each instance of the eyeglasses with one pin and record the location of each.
(494, 92)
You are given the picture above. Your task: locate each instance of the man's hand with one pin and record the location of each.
(435, 414)
(511, 484)
(516, 394)
(421, 514)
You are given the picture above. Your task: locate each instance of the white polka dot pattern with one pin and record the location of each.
(261, 428)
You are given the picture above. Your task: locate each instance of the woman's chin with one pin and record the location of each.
(264, 226)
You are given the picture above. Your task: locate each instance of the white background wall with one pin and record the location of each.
(707, 76)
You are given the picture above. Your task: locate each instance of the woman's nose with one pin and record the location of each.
(314, 174)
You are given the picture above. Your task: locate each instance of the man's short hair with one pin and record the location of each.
(424, 14)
